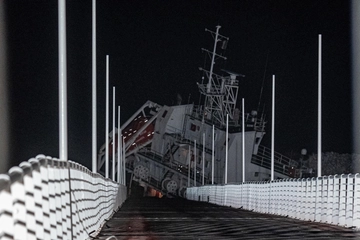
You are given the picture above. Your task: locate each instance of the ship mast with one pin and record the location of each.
(220, 92)
(213, 57)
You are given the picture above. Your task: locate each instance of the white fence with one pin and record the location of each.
(328, 199)
(45, 198)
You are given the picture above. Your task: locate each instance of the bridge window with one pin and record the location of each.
(256, 174)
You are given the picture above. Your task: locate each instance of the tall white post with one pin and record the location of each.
(94, 117)
(113, 137)
(119, 166)
(203, 161)
(194, 163)
(124, 160)
(63, 131)
(107, 120)
(226, 147)
(4, 96)
(355, 88)
(212, 155)
(272, 127)
(243, 140)
(319, 111)
(189, 168)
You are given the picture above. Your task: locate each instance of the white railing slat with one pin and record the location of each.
(329, 199)
(44, 197)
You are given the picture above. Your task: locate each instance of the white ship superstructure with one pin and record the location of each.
(169, 148)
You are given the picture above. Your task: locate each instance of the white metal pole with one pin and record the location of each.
(189, 168)
(272, 127)
(113, 137)
(119, 166)
(63, 137)
(355, 88)
(212, 155)
(94, 117)
(107, 120)
(243, 140)
(124, 160)
(319, 110)
(195, 163)
(4, 97)
(226, 147)
(203, 161)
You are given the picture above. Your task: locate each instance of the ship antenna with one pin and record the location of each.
(215, 90)
(263, 81)
(208, 88)
(202, 78)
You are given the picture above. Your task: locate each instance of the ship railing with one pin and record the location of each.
(278, 157)
(282, 164)
(198, 113)
(327, 199)
(176, 135)
(45, 198)
(173, 164)
(158, 157)
(260, 124)
(256, 123)
(265, 163)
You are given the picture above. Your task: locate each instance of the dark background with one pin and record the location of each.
(155, 52)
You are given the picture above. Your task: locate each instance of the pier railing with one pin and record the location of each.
(329, 199)
(45, 198)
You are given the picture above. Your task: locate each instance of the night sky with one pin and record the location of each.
(155, 52)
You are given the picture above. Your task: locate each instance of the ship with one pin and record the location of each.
(169, 148)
